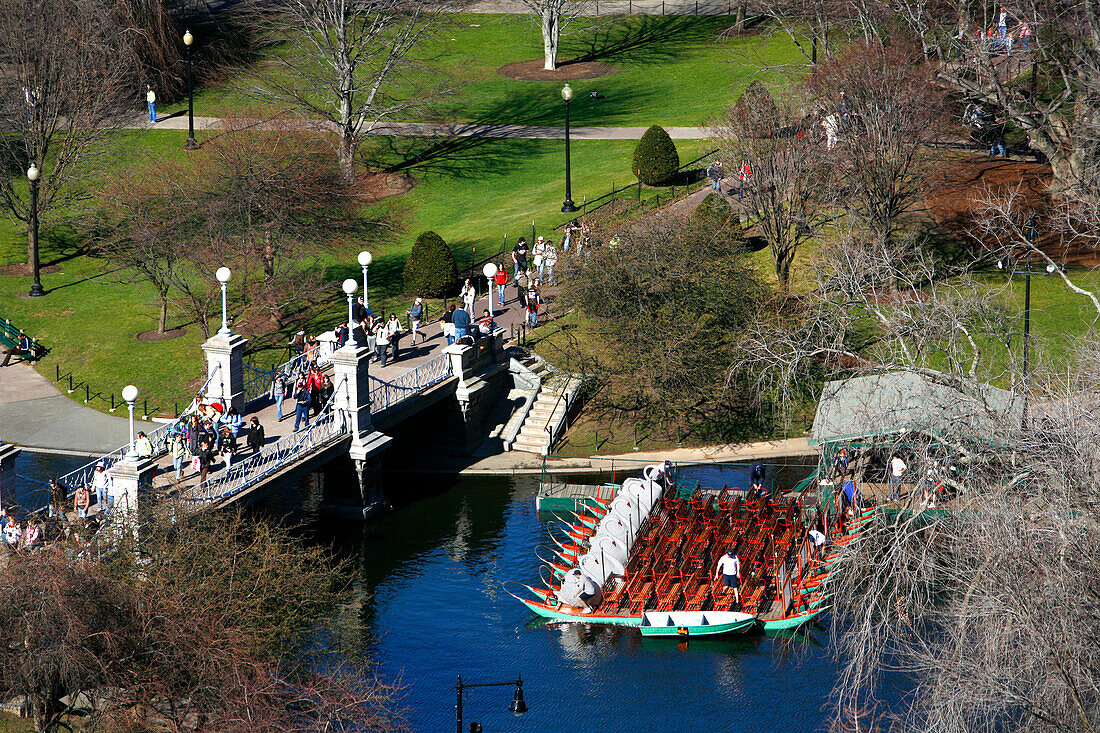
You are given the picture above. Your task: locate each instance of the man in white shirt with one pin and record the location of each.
(819, 540)
(897, 470)
(729, 567)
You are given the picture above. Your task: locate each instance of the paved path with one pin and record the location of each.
(453, 129)
(35, 414)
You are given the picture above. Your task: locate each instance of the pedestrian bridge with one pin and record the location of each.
(350, 423)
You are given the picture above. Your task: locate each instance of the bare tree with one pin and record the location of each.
(1042, 85)
(354, 64)
(64, 85)
(553, 16)
(789, 189)
(887, 109)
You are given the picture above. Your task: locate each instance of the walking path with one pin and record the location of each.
(35, 414)
(451, 129)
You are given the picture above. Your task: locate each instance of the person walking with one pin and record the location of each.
(757, 475)
(256, 437)
(58, 497)
(468, 296)
(381, 341)
(522, 283)
(393, 329)
(206, 457)
(551, 261)
(744, 175)
(538, 256)
(81, 501)
(461, 320)
(178, 451)
(447, 321)
(416, 313)
(715, 174)
(101, 484)
(301, 409)
(501, 280)
(151, 101)
(519, 258)
(729, 569)
(326, 391)
(279, 390)
(532, 303)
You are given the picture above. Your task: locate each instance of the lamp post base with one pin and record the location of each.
(568, 207)
(191, 144)
(37, 291)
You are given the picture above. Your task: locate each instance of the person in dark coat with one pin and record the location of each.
(256, 436)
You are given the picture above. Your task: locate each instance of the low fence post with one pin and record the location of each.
(596, 442)
(87, 395)
(57, 371)
(662, 7)
(145, 408)
(639, 195)
(112, 402)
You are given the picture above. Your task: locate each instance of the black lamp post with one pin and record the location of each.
(567, 207)
(191, 144)
(1006, 264)
(32, 176)
(518, 706)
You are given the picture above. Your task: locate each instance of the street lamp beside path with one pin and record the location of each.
(33, 175)
(567, 207)
(191, 143)
(1006, 264)
(365, 259)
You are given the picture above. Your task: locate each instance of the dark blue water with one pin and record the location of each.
(434, 575)
(438, 570)
(28, 490)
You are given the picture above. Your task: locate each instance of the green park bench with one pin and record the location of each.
(9, 337)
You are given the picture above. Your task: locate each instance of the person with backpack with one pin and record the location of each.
(393, 329)
(532, 303)
(715, 174)
(416, 313)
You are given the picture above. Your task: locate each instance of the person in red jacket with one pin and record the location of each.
(744, 174)
(501, 280)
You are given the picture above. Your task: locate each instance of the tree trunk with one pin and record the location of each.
(269, 258)
(739, 19)
(551, 18)
(783, 257)
(162, 322)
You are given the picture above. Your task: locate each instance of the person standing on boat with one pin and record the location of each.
(819, 540)
(757, 474)
(729, 567)
(897, 470)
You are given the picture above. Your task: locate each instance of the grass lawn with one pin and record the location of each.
(472, 195)
(669, 70)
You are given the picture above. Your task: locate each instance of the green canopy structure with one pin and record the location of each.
(860, 409)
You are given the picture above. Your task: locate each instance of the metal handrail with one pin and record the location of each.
(159, 438)
(384, 395)
(330, 424)
(549, 418)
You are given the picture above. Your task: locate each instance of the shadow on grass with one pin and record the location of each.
(641, 39)
(481, 157)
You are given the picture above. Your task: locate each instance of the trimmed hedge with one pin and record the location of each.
(655, 159)
(431, 270)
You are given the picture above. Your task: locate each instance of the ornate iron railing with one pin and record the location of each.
(259, 386)
(159, 438)
(384, 395)
(329, 425)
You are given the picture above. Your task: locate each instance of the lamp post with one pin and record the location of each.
(567, 207)
(32, 175)
(191, 144)
(350, 286)
(364, 261)
(490, 271)
(518, 706)
(1006, 264)
(223, 274)
(129, 394)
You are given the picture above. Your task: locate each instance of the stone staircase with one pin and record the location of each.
(550, 408)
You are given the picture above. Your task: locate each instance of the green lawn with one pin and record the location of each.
(472, 193)
(669, 70)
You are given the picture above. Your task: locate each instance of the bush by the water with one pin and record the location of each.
(431, 270)
(655, 159)
(716, 218)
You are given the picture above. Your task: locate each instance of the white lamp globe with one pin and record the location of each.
(365, 259)
(350, 286)
(567, 92)
(129, 393)
(223, 274)
(32, 173)
(490, 270)
(188, 39)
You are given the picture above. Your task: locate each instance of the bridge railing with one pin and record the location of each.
(159, 438)
(384, 395)
(328, 425)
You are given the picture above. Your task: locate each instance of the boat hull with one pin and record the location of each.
(687, 624)
(566, 614)
(791, 622)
